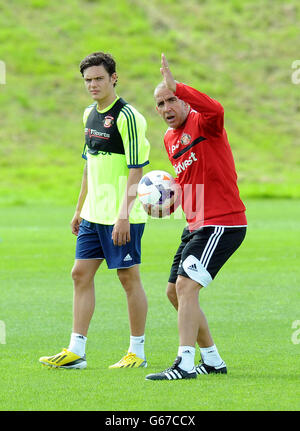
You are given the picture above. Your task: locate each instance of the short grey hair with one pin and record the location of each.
(159, 87)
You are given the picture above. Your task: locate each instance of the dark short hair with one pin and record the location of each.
(98, 59)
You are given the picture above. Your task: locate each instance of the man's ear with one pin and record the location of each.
(114, 78)
(187, 106)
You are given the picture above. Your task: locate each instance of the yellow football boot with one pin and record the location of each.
(130, 360)
(64, 359)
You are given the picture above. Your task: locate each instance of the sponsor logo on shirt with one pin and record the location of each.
(174, 147)
(182, 166)
(94, 133)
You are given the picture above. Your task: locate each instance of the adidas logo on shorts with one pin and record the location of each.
(193, 267)
(127, 258)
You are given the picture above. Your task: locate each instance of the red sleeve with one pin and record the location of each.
(212, 111)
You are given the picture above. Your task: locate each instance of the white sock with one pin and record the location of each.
(137, 345)
(187, 354)
(210, 356)
(77, 344)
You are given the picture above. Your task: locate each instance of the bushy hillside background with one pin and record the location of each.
(240, 52)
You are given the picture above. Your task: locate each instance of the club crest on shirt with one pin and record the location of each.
(108, 121)
(185, 139)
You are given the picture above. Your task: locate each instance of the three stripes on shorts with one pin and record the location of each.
(211, 246)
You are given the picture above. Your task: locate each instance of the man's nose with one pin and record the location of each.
(167, 106)
(93, 83)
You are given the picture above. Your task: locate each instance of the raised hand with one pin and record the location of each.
(169, 81)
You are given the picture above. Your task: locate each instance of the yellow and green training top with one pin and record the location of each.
(115, 141)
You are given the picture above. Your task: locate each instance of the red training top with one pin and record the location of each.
(201, 156)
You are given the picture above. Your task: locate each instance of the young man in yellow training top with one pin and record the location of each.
(108, 220)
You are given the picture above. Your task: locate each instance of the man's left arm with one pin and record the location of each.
(132, 127)
(121, 231)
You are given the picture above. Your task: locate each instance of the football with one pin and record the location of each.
(159, 190)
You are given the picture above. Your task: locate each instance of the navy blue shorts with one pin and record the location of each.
(94, 242)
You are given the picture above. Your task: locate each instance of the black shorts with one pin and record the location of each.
(203, 252)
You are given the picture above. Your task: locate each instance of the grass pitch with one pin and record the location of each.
(251, 307)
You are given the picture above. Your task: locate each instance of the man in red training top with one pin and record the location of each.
(197, 146)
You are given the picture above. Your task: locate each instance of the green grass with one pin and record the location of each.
(239, 52)
(250, 308)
